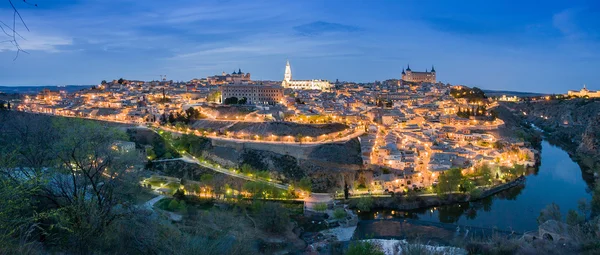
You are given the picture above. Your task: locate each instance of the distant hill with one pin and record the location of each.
(497, 93)
(36, 89)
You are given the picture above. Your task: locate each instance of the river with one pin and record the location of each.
(558, 179)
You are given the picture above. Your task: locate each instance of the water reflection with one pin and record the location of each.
(558, 179)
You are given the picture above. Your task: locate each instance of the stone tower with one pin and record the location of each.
(288, 72)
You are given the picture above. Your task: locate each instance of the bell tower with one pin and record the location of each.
(288, 72)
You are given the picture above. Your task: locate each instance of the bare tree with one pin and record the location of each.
(10, 30)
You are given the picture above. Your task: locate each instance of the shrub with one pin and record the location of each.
(179, 194)
(305, 184)
(573, 218)
(339, 213)
(551, 212)
(476, 193)
(173, 205)
(364, 248)
(320, 207)
(365, 204)
(273, 218)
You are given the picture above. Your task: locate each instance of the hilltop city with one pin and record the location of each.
(303, 162)
(414, 127)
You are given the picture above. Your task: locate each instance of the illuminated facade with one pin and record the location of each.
(255, 94)
(235, 77)
(427, 76)
(584, 92)
(303, 84)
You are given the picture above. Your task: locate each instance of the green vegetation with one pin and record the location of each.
(471, 94)
(183, 117)
(365, 204)
(320, 207)
(479, 110)
(273, 217)
(172, 205)
(551, 212)
(264, 190)
(61, 154)
(449, 181)
(364, 248)
(305, 184)
(339, 214)
(214, 96)
(235, 100)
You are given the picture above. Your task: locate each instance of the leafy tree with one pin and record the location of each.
(583, 207)
(486, 174)
(230, 100)
(466, 185)
(305, 184)
(449, 181)
(339, 214)
(120, 81)
(179, 194)
(551, 212)
(244, 100)
(207, 179)
(171, 118)
(595, 203)
(214, 96)
(273, 218)
(365, 204)
(247, 168)
(173, 205)
(360, 247)
(320, 207)
(150, 153)
(573, 218)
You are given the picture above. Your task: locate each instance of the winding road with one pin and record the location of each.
(192, 160)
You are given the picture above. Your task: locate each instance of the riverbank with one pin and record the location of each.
(405, 203)
(574, 125)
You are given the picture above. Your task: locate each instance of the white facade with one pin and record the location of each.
(303, 84)
(395, 162)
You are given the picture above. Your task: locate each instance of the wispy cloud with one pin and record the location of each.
(322, 27)
(564, 22)
(37, 42)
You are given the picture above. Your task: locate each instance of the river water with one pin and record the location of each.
(558, 179)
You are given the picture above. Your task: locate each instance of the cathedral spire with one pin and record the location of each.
(408, 67)
(403, 71)
(432, 69)
(288, 72)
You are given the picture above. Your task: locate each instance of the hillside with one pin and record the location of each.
(573, 124)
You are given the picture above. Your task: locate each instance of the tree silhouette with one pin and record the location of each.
(10, 30)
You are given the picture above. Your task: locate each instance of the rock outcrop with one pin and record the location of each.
(572, 124)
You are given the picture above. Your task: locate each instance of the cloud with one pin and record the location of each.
(564, 22)
(37, 42)
(322, 27)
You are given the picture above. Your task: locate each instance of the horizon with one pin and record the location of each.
(546, 48)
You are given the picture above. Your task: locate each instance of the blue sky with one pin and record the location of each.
(544, 46)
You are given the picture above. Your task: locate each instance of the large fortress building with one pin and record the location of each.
(233, 78)
(427, 76)
(584, 92)
(303, 84)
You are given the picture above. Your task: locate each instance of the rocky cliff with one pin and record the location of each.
(328, 165)
(572, 124)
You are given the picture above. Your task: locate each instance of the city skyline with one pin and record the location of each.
(500, 47)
